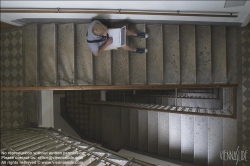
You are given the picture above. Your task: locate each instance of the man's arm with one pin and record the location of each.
(108, 42)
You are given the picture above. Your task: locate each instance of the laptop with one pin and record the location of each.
(119, 37)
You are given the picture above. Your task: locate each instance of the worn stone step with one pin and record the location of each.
(92, 123)
(231, 52)
(187, 137)
(201, 140)
(134, 129)
(187, 54)
(137, 62)
(175, 136)
(84, 57)
(125, 127)
(229, 126)
(98, 123)
(155, 54)
(32, 101)
(48, 55)
(102, 68)
(203, 54)
(120, 63)
(31, 51)
(111, 128)
(66, 54)
(163, 133)
(215, 140)
(143, 130)
(219, 61)
(171, 59)
(152, 132)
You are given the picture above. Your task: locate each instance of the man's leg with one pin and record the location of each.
(130, 33)
(128, 48)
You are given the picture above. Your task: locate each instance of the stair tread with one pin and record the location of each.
(103, 68)
(163, 133)
(84, 57)
(201, 140)
(111, 128)
(143, 130)
(175, 136)
(187, 137)
(231, 55)
(134, 128)
(31, 51)
(120, 63)
(155, 54)
(215, 140)
(137, 62)
(203, 54)
(66, 54)
(219, 54)
(171, 54)
(152, 132)
(48, 55)
(98, 123)
(125, 127)
(187, 54)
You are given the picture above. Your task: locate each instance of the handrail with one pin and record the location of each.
(119, 11)
(119, 87)
(168, 109)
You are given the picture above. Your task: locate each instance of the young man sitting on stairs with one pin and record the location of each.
(97, 39)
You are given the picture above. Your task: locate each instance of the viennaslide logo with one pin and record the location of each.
(234, 155)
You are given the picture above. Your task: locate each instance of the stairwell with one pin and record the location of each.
(58, 55)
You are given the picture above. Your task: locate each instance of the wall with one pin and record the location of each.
(59, 122)
(204, 6)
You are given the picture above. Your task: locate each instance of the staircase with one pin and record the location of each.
(58, 55)
(190, 138)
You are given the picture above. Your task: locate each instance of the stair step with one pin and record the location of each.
(66, 54)
(111, 128)
(201, 140)
(175, 136)
(219, 54)
(120, 63)
(31, 51)
(163, 133)
(137, 61)
(187, 54)
(215, 140)
(203, 54)
(134, 129)
(171, 57)
(231, 55)
(143, 130)
(155, 54)
(92, 123)
(31, 100)
(98, 122)
(187, 137)
(48, 55)
(103, 68)
(125, 127)
(84, 57)
(209, 103)
(152, 132)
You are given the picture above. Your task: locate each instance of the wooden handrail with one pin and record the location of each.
(119, 87)
(119, 11)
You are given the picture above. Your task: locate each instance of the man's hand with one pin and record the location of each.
(109, 41)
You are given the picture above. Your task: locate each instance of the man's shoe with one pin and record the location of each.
(142, 35)
(141, 50)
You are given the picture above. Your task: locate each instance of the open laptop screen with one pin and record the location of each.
(123, 36)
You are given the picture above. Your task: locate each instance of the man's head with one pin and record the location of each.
(100, 30)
